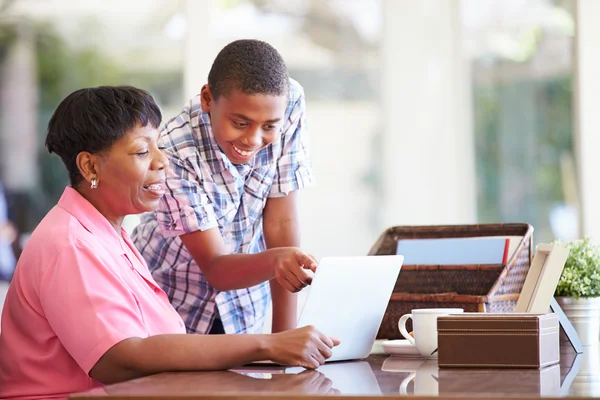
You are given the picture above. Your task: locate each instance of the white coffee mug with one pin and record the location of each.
(425, 328)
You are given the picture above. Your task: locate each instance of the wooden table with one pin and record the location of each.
(577, 376)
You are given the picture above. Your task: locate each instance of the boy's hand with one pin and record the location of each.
(292, 267)
(305, 347)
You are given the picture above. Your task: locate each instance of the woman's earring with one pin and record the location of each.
(94, 183)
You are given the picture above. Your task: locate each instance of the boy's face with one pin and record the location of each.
(243, 124)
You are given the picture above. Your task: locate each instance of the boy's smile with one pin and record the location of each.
(243, 124)
(243, 155)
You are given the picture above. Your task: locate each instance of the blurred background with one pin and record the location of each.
(420, 111)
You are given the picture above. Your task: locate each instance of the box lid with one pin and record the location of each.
(503, 322)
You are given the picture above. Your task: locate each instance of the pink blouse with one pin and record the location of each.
(79, 288)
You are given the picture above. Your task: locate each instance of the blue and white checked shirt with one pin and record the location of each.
(205, 190)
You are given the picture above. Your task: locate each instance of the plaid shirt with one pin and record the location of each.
(205, 190)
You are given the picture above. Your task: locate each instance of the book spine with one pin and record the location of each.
(505, 256)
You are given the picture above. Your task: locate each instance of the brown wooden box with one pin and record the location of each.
(474, 288)
(477, 340)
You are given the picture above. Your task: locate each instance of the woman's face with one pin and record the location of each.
(131, 174)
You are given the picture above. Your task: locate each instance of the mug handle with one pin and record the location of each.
(402, 328)
(405, 382)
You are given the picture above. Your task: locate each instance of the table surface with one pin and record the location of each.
(577, 375)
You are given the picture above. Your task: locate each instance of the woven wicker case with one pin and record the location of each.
(475, 288)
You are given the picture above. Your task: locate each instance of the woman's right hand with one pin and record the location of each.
(306, 382)
(305, 347)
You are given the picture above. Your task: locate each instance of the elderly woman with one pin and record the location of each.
(82, 308)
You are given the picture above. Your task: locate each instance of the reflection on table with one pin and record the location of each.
(576, 375)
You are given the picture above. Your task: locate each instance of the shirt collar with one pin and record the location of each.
(91, 219)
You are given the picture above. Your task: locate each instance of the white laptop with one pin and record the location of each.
(348, 298)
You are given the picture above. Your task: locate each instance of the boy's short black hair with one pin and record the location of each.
(251, 66)
(94, 119)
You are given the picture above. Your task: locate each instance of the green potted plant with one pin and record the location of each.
(578, 290)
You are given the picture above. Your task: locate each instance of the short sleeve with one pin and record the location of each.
(293, 169)
(87, 305)
(185, 207)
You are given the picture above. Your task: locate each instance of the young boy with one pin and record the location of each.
(224, 238)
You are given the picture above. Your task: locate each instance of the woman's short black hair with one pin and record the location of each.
(251, 66)
(94, 119)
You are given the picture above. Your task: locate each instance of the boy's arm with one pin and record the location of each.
(226, 271)
(187, 208)
(282, 229)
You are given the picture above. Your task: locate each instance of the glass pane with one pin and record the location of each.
(521, 60)
(49, 49)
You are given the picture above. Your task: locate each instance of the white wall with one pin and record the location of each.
(200, 49)
(336, 212)
(429, 170)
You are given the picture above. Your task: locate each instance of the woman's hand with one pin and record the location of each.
(305, 347)
(306, 382)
